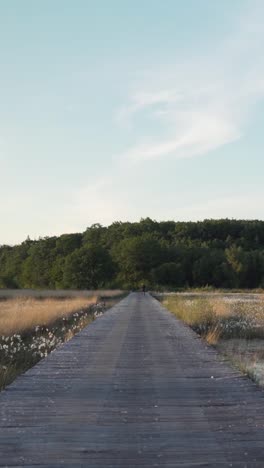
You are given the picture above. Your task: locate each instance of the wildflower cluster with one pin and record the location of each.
(98, 309)
(245, 320)
(228, 319)
(21, 351)
(233, 324)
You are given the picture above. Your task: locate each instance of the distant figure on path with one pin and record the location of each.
(143, 289)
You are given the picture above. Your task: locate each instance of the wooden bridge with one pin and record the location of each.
(137, 388)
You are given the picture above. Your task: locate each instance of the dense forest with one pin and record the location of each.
(220, 253)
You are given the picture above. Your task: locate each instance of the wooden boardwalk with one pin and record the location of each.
(136, 388)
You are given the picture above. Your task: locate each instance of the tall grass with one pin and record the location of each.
(31, 328)
(21, 314)
(57, 293)
(216, 319)
(234, 327)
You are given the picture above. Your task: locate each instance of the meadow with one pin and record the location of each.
(232, 323)
(32, 327)
(58, 294)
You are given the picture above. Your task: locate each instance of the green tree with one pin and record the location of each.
(136, 257)
(36, 269)
(168, 274)
(212, 269)
(11, 264)
(88, 268)
(67, 243)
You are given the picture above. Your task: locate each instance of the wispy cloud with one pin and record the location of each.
(184, 111)
(145, 99)
(205, 131)
(209, 103)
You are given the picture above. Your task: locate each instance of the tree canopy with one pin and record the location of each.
(219, 253)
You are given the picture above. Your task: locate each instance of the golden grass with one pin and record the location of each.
(220, 308)
(213, 335)
(196, 312)
(58, 293)
(215, 318)
(235, 328)
(30, 328)
(21, 314)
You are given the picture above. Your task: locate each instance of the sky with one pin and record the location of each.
(117, 110)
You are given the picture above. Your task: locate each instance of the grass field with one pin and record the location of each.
(25, 313)
(32, 327)
(233, 324)
(58, 293)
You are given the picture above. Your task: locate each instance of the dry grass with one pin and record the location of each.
(220, 318)
(21, 314)
(58, 293)
(213, 335)
(247, 355)
(234, 327)
(31, 328)
(196, 313)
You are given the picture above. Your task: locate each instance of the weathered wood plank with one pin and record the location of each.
(136, 388)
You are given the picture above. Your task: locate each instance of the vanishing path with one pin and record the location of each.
(136, 388)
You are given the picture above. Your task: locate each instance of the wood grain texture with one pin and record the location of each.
(136, 388)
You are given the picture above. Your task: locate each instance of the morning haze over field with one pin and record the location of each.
(123, 110)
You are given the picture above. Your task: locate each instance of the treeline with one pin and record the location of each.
(220, 253)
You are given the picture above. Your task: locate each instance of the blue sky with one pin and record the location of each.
(117, 110)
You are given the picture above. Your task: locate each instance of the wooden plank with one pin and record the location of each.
(137, 388)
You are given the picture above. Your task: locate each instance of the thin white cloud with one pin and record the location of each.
(209, 104)
(205, 131)
(197, 107)
(142, 100)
